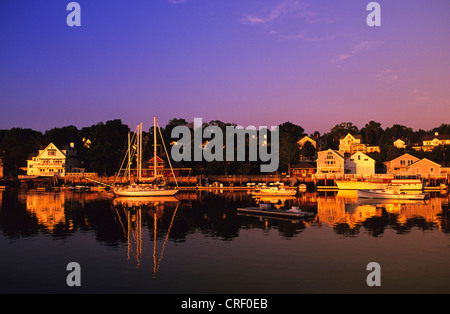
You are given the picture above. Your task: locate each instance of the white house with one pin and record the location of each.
(52, 161)
(432, 141)
(330, 161)
(360, 163)
(350, 143)
(399, 143)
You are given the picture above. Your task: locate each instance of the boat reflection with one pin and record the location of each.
(135, 202)
(277, 201)
(129, 212)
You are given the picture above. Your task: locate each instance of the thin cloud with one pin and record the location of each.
(176, 1)
(363, 46)
(281, 10)
(387, 75)
(303, 36)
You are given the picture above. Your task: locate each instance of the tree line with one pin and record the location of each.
(101, 147)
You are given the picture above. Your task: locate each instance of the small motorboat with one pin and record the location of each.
(391, 192)
(277, 189)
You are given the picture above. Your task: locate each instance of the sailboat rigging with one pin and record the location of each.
(138, 188)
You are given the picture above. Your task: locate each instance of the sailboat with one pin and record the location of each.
(138, 189)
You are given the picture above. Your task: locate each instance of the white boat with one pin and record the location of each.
(360, 185)
(139, 189)
(277, 189)
(144, 190)
(405, 182)
(391, 192)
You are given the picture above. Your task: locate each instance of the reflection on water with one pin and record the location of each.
(213, 213)
(198, 240)
(129, 213)
(346, 213)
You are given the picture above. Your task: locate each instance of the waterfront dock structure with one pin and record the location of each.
(201, 182)
(433, 182)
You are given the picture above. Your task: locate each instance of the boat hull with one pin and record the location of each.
(359, 185)
(145, 193)
(390, 195)
(403, 185)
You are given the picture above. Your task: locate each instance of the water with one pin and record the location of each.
(201, 245)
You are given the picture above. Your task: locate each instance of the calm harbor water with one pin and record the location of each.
(200, 244)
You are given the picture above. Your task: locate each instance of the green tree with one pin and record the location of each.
(372, 133)
(339, 130)
(290, 134)
(109, 144)
(308, 150)
(16, 145)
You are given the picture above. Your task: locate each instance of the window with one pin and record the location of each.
(402, 162)
(51, 152)
(431, 170)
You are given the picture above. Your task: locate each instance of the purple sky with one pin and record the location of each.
(315, 63)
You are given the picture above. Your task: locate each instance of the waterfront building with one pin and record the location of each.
(401, 163)
(149, 170)
(330, 161)
(1, 167)
(51, 161)
(303, 169)
(360, 163)
(425, 167)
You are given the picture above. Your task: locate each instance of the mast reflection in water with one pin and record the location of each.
(198, 243)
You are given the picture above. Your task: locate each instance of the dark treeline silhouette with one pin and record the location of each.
(102, 146)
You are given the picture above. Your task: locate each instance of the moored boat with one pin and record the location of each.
(276, 189)
(139, 189)
(360, 185)
(405, 182)
(144, 190)
(391, 193)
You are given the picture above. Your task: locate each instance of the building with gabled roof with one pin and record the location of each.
(401, 163)
(430, 142)
(425, 167)
(330, 161)
(360, 163)
(51, 161)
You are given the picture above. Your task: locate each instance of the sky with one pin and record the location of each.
(315, 63)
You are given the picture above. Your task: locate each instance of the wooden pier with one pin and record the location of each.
(209, 182)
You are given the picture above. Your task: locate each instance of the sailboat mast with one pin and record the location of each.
(140, 152)
(154, 148)
(129, 159)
